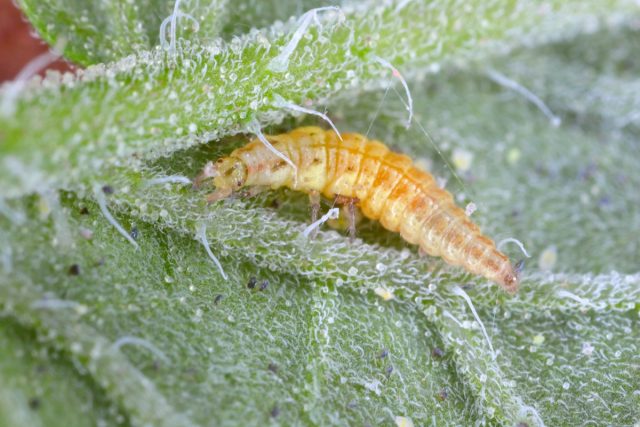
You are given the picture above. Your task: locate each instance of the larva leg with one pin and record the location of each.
(253, 191)
(350, 203)
(314, 199)
(352, 220)
(219, 194)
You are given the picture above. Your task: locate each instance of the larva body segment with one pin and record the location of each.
(388, 186)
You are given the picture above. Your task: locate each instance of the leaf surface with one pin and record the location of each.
(153, 333)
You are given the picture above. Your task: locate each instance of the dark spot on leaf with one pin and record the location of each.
(34, 403)
(384, 353)
(275, 412)
(134, 232)
(588, 172)
(621, 178)
(437, 353)
(218, 299)
(604, 201)
(84, 210)
(443, 394)
(191, 373)
(273, 367)
(264, 285)
(252, 283)
(389, 370)
(74, 270)
(107, 189)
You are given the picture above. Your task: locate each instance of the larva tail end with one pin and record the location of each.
(510, 280)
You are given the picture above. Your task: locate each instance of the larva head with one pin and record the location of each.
(228, 173)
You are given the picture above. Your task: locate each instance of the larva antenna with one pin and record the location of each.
(333, 213)
(202, 236)
(517, 242)
(102, 203)
(280, 102)
(504, 81)
(254, 128)
(394, 71)
(12, 89)
(173, 18)
(280, 63)
(131, 340)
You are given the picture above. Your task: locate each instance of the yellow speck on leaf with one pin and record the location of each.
(385, 294)
(548, 258)
(513, 156)
(403, 422)
(462, 159)
(538, 339)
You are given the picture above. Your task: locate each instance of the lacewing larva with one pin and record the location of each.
(385, 185)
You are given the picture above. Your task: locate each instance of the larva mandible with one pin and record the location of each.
(386, 186)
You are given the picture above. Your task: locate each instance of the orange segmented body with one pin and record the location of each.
(387, 185)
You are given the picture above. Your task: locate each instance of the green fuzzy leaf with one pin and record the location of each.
(37, 382)
(153, 103)
(91, 33)
(145, 329)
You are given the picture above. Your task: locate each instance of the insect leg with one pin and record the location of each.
(350, 203)
(314, 199)
(253, 191)
(219, 194)
(352, 219)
